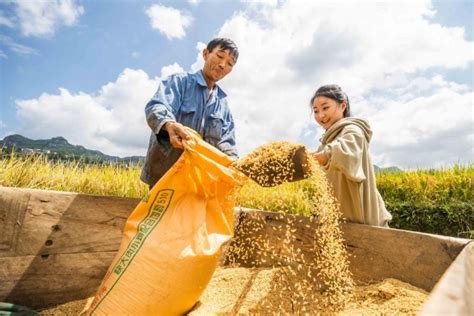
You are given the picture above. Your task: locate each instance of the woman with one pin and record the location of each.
(344, 155)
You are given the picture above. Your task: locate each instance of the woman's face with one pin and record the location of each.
(328, 111)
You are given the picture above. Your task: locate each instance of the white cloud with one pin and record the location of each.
(6, 21)
(428, 130)
(111, 120)
(169, 21)
(171, 69)
(199, 61)
(18, 48)
(42, 18)
(2, 54)
(259, 3)
(194, 2)
(375, 51)
(378, 52)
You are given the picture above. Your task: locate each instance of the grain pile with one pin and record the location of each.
(67, 309)
(275, 163)
(327, 278)
(236, 291)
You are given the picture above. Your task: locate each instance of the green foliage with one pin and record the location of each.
(436, 201)
(452, 219)
(439, 186)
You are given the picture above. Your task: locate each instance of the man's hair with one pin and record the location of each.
(224, 44)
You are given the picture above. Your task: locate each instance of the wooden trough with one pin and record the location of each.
(55, 247)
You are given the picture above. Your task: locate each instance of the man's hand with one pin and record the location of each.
(177, 133)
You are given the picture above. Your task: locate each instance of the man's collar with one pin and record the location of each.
(200, 80)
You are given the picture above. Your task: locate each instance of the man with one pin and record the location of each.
(192, 100)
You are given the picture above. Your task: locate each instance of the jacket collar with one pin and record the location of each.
(332, 132)
(200, 80)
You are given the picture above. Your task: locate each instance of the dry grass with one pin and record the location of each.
(37, 172)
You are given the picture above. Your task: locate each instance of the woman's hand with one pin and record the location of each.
(320, 157)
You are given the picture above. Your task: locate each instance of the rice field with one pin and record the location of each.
(38, 172)
(433, 185)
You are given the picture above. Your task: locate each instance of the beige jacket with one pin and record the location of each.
(351, 174)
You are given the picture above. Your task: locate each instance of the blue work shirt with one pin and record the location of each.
(185, 98)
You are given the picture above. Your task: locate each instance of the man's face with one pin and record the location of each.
(217, 64)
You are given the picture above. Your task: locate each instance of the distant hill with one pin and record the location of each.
(386, 169)
(60, 148)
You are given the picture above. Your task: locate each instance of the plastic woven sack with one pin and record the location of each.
(172, 240)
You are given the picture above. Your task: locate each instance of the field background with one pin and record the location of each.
(436, 201)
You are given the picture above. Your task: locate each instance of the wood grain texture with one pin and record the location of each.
(62, 244)
(44, 281)
(13, 205)
(454, 293)
(417, 258)
(376, 253)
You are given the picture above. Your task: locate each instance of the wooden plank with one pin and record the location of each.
(61, 222)
(454, 293)
(69, 238)
(375, 253)
(66, 243)
(417, 258)
(42, 281)
(13, 205)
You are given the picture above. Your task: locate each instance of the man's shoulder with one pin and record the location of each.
(183, 80)
(188, 78)
(177, 76)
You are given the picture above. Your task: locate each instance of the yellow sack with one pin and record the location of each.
(172, 241)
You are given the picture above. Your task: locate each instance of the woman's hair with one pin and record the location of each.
(333, 91)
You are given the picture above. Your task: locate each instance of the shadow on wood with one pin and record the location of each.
(56, 247)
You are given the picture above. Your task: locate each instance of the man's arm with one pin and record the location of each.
(227, 143)
(160, 111)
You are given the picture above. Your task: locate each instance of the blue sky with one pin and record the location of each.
(85, 69)
(98, 47)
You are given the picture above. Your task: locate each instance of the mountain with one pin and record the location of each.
(58, 147)
(386, 169)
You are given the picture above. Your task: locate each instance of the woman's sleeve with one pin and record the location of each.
(345, 154)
